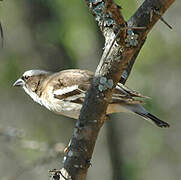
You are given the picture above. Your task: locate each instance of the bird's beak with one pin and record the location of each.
(19, 82)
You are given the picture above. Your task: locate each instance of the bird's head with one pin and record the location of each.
(31, 81)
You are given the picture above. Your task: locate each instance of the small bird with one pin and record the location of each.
(64, 93)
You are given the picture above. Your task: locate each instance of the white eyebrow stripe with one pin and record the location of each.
(65, 90)
(34, 72)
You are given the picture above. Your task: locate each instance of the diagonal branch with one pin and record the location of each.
(146, 16)
(114, 63)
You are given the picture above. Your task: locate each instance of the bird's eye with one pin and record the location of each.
(25, 77)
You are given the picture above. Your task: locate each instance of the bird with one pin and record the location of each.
(64, 92)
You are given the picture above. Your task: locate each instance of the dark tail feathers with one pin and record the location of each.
(155, 120)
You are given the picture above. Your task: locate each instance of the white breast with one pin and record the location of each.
(33, 95)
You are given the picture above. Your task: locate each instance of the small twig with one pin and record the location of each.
(134, 28)
(163, 20)
(2, 35)
(160, 16)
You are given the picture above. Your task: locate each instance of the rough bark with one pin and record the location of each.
(122, 45)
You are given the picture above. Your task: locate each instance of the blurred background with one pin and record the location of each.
(61, 34)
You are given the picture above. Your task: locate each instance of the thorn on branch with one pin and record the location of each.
(156, 11)
(163, 20)
(134, 28)
(2, 35)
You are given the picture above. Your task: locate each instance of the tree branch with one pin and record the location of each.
(122, 46)
(145, 16)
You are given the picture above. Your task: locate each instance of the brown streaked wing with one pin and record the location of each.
(82, 79)
(76, 95)
(71, 77)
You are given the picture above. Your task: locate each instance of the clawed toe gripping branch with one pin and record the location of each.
(123, 42)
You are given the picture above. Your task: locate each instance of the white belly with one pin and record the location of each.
(68, 109)
(65, 108)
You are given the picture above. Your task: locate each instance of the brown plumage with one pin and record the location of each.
(64, 92)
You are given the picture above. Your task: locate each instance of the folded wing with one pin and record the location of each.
(73, 85)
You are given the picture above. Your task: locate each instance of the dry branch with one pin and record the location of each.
(122, 45)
